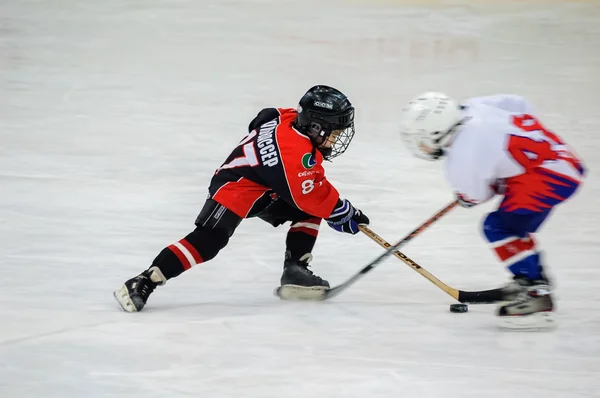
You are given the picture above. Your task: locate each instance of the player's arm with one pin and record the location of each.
(317, 197)
(282, 167)
(477, 192)
(473, 179)
(314, 194)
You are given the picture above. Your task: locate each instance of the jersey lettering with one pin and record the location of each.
(265, 144)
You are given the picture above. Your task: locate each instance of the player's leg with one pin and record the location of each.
(510, 236)
(529, 199)
(214, 226)
(300, 241)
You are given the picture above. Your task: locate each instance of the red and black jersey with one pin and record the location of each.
(274, 157)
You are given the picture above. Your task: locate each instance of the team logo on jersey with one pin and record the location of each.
(308, 161)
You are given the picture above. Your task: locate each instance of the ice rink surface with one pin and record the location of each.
(113, 117)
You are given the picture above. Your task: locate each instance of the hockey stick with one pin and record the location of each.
(391, 250)
(477, 297)
(325, 294)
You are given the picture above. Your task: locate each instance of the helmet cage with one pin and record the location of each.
(319, 126)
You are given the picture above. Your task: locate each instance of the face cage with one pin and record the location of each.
(341, 143)
(339, 146)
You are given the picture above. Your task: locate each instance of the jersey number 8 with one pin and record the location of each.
(307, 186)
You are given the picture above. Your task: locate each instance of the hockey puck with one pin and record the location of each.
(458, 308)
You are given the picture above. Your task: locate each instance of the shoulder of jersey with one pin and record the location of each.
(289, 134)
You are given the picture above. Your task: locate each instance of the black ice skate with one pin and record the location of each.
(531, 308)
(135, 292)
(298, 282)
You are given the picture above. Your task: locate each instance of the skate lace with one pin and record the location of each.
(309, 271)
(144, 287)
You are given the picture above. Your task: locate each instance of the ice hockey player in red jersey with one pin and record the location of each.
(276, 174)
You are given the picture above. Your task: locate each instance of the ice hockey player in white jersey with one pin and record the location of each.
(496, 146)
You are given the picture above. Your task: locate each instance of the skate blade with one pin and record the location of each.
(535, 321)
(122, 297)
(296, 292)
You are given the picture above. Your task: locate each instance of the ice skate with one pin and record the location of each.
(133, 295)
(532, 307)
(511, 290)
(298, 282)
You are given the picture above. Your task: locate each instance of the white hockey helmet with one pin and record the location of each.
(428, 124)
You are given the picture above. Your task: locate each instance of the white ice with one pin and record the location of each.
(114, 115)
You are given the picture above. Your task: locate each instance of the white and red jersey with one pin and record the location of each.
(502, 139)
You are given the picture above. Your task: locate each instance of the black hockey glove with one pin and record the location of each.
(346, 218)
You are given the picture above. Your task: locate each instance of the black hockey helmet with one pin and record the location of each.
(323, 110)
